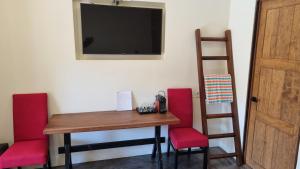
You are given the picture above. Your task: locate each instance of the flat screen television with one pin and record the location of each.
(121, 30)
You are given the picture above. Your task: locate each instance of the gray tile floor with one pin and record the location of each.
(145, 162)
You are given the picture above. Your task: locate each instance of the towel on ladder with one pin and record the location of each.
(218, 88)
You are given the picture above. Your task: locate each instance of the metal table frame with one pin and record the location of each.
(68, 149)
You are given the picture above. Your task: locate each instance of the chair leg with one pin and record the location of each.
(205, 159)
(169, 145)
(189, 152)
(45, 166)
(49, 161)
(176, 159)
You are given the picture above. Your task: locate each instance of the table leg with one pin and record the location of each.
(154, 147)
(158, 145)
(154, 151)
(68, 159)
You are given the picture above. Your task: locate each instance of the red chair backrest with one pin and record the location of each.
(30, 116)
(180, 103)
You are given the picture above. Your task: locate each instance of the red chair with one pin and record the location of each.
(183, 135)
(30, 116)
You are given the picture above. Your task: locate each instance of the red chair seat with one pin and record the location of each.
(187, 138)
(25, 153)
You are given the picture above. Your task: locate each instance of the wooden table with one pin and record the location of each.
(108, 120)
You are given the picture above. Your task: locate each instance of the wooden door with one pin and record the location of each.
(274, 119)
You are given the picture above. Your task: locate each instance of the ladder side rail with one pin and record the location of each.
(234, 109)
(201, 82)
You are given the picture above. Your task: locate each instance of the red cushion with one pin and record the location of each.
(187, 138)
(25, 153)
(30, 115)
(180, 103)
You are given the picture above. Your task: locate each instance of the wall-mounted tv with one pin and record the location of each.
(121, 30)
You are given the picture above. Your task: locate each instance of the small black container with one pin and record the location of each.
(161, 102)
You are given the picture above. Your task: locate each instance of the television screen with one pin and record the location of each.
(121, 30)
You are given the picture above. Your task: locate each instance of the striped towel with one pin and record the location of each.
(218, 88)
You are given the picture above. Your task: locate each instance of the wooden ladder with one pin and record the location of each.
(234, 111)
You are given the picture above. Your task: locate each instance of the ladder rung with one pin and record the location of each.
(225, 155)
(225, 135)
(215, 116)
(215, 58)
(213, 39)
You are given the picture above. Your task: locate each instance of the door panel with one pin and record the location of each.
(273, 131)
(295, 45)
(264, 89)
(259, 142)
(285, 22)
(271, 35)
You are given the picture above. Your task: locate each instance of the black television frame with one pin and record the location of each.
(137, 4)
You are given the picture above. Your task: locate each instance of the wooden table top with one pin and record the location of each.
(105, 120)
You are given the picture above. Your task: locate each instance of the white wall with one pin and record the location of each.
(38, 54)
(6, 70)
(241, 23)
